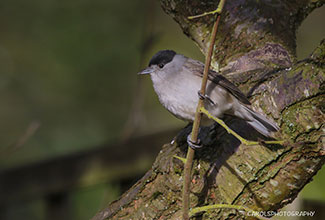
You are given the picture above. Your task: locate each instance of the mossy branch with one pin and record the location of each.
(257, 53)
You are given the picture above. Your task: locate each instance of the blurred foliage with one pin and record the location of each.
(310, 33)
(315, 190)
(71, 66)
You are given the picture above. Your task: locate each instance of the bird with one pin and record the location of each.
(177, 80)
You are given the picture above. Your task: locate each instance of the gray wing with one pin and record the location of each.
(198, 68)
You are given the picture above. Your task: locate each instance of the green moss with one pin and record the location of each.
(302, 117)
(156, 194)
(178, 170)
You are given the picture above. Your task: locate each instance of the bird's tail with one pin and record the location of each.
(261, 123)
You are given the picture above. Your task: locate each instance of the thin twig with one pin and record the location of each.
(217, 11)
(197, 120)
(241, 139)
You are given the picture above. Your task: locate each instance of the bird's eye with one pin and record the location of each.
(161, 65)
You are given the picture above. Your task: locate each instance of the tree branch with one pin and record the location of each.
(258, 54)
(246, 26)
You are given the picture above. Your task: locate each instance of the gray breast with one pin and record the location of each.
(177, 92)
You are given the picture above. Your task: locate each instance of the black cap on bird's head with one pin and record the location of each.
(161, 58)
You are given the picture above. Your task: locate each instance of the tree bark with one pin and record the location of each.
(255, 49)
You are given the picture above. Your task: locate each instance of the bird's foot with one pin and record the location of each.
(194, 145)
(205, 97)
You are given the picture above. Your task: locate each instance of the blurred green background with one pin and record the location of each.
(68, 77)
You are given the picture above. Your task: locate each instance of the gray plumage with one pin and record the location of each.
(177, 79)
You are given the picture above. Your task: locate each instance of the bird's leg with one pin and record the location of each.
(241, 139)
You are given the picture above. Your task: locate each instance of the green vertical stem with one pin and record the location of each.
(197, 120)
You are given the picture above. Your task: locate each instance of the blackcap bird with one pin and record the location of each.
(177, 79)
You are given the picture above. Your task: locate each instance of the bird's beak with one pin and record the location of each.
(147, 70)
